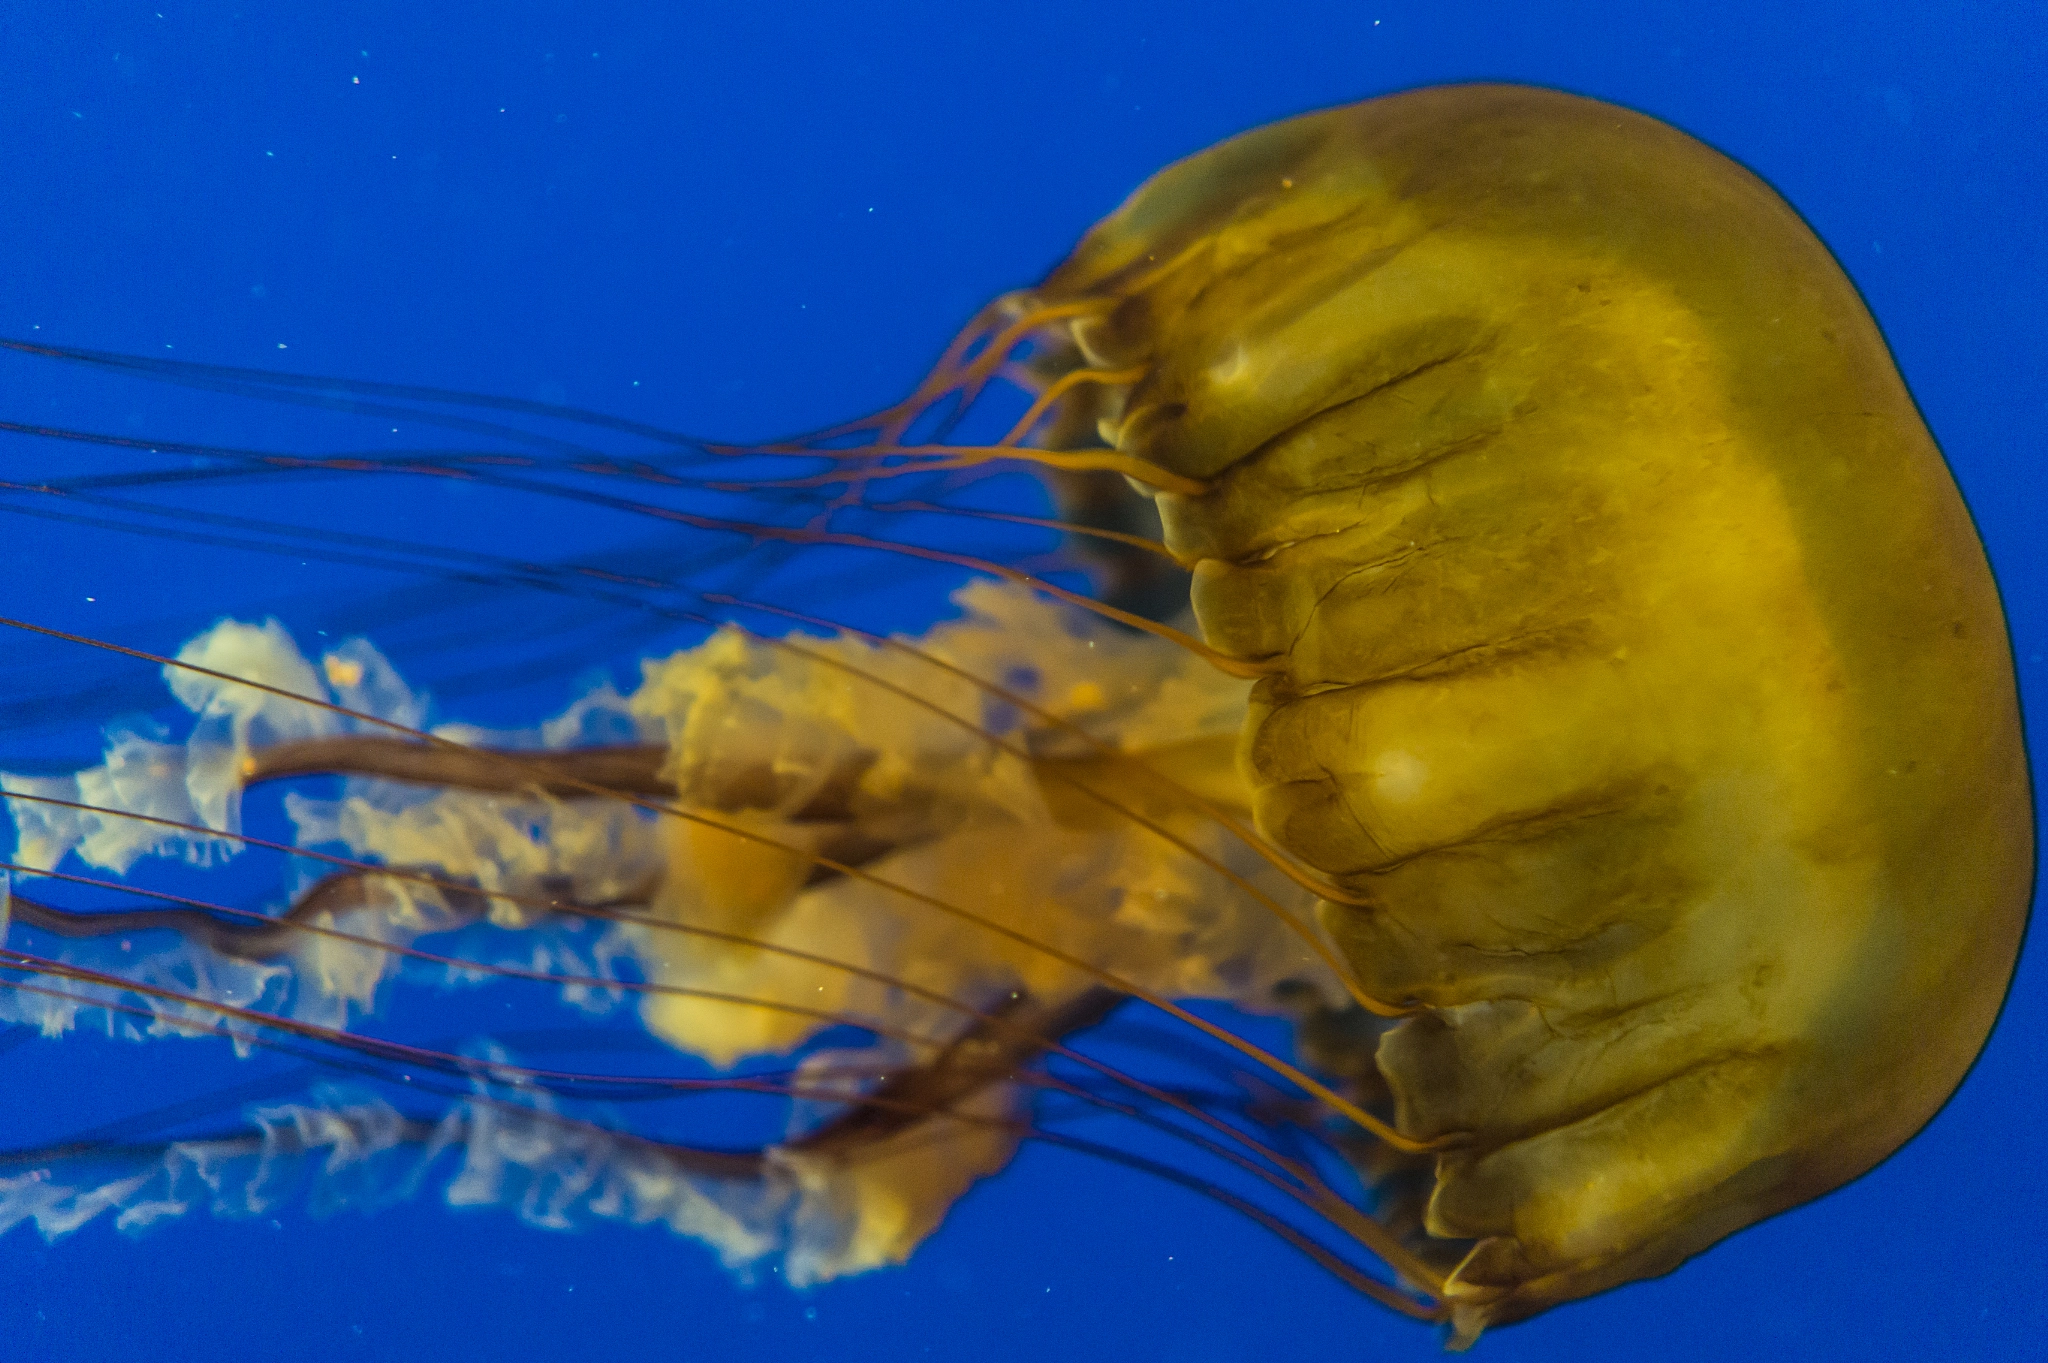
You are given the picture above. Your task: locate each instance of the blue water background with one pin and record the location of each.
(745, 218)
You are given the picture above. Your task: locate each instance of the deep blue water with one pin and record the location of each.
(740, 219)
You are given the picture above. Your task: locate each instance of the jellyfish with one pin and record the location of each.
(1507, 621)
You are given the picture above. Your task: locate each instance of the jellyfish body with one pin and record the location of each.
(1629, 678)
(1631, 659)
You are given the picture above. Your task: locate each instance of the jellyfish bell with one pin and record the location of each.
(1610, 663)
(1633, 661)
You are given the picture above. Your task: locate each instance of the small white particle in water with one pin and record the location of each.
(92, 598)
(282, 346)
(355, 80)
